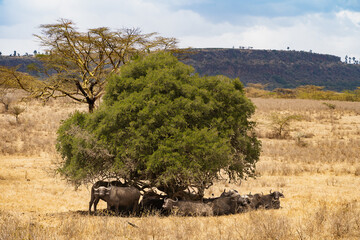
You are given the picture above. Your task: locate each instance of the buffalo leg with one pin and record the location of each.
(96, 203)
(117, 212)
(90, 204)
(135, 209)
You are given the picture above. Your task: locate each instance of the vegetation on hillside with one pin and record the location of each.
(162, 124)
(303, 92)
(327, 78)
(277, 69)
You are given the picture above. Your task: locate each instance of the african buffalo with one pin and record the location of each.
(230, 193)
(229, 202)
(94, 199)
(125, 197)
(225, 205)
(152, 202)
(188, 208)
(243, 204)
(269, 201)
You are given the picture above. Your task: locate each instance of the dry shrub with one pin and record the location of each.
(253, 92)
(280, 124)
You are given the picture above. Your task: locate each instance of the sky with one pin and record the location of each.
(322, 26)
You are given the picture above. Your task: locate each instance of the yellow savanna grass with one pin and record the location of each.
(319, 178)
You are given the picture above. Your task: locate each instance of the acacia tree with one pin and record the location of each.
(78, 63)
(280, 124)
(165, 126)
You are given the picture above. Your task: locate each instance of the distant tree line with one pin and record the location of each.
(17, 54)
(302, 92)
(351, 60)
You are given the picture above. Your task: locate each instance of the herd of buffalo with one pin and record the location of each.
(126, 200)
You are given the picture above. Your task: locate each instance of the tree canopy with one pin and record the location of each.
(163, 125)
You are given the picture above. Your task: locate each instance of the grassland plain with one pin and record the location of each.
(317, 166)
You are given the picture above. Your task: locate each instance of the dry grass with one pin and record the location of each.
(320, 181)
(35, 133)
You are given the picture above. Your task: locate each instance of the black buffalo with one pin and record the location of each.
(94, 199)
(152, 203)
(268, 201)
(117, 195)
(225, 205)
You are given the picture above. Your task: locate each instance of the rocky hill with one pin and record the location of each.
(22, 62)
(277, 69)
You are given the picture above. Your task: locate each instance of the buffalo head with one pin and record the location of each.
(276, 195)
(102, 191)
(168, 203)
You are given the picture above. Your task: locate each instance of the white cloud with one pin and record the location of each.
(335, 34)
(332, 33)
(349, 17)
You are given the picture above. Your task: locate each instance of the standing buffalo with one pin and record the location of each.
(94, 198)
(125, 197)
(188, 208)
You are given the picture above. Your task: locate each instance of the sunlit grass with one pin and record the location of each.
(319, 179)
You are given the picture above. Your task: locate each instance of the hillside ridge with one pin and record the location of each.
(273, 68)
(276, 68)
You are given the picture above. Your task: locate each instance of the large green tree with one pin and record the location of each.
(163, 125)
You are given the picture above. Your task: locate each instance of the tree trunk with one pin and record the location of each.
(91, 104)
